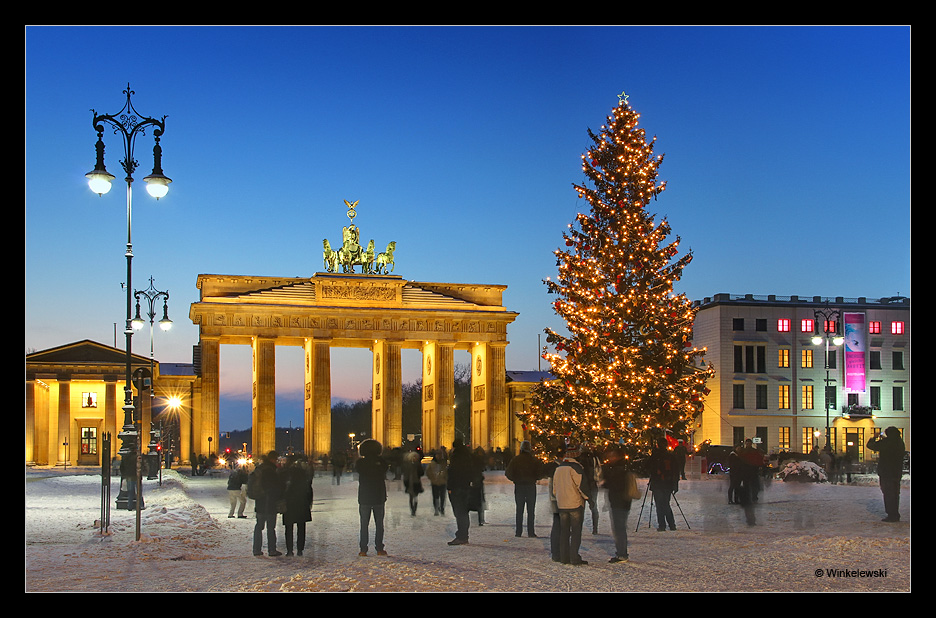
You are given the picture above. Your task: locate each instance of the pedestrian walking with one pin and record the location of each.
(371, 469)
(592, 481)
(437, 472)
(412, 479)
(523, 471)
(621, 486)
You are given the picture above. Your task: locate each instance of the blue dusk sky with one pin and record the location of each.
(787, 162)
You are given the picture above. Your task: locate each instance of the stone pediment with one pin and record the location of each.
(81, 359)
(85, 352)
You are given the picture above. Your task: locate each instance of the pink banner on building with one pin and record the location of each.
(855, 335)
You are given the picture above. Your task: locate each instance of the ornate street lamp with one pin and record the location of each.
(152, 295)
(128, 124)
(831, 332)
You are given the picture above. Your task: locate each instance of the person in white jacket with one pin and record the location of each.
(570, 499)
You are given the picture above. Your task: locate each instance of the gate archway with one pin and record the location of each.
(383, 313)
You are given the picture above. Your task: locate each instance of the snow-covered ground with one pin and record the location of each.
(807, 537)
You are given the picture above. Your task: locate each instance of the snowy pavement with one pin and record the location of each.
(807, 537)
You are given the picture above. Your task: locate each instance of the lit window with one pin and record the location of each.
(783, 362)
(784, 396)
(829, 326)
(897, 328)
(807, 395)
(806, 359)
(783, 325)
(806, 326)
(874, 328)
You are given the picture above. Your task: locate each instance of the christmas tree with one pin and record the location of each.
(626, 372)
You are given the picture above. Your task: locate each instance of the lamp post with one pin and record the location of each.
(152, 295)
(128, 124)
(831, 333)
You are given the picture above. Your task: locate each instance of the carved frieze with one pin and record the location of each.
(355, 293)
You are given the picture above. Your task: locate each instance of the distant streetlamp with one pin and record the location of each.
(831, 333)
(129, 124)
(152, 295)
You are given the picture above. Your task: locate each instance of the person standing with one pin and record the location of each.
(237, 491)
(570, 500)
(339, 461)
(463, 473)
(269, 493)
(751, 465)
(371, 469)
(437, 471)
(890, 449)
(618, 480)
(591, 482)
(412, 479)
(298, 495)
(549, 471)
(734, 476)
(524, 470)
(664, 482)
(681, 453)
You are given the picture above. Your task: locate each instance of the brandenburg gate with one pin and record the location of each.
(373, 309)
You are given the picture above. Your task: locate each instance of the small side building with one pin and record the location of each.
(75, 395)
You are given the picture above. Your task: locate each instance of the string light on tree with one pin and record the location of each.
(626, 371)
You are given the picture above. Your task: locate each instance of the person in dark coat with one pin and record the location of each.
(681, 453)
(664, 482)
(617, 480)
(476, 500)
(734, 477)
(463, 474)
(339, 461)
(524, 470)
(298, 494)
(412, 479)
(751, 462)
(890, 449)
(372, 469)
(271, 486)
(437, 471)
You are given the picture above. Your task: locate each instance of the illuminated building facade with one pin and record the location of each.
(773, 384)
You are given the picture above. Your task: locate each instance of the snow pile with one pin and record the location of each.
(803, 471)
(805, 537)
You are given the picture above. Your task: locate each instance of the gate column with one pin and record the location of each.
(387, 394)
(208, 422)
(263, 397)
(498, 412)
(317, 397)
(490, 426)
(438, 405)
